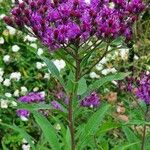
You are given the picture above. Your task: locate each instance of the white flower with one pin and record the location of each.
(94, 75)
(60, 64)
(14, 103)
(1, 72)
(2, 40)
(23, 118)
(88, 1)
(6, 58)
(24, 90)
(7, 82)
(25, 147)
(15, 48)
(16, 93)
(104, 60)
(1, 79)
(39, 65)
(2, 16)
(36, 89)
(124, 53)
(4, 103)
(15, 75)
(111, 5)
(105, 71)
(136, 57)
(47, 76)
(34, 45)
(43, 94)
(11, 30)
(8, 95)
(40, 51)
(57, 127)
(99, 66)
(30, 38)
(113, 70)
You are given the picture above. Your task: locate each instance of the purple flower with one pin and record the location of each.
(32, 98)
(61, 22)
(143, 88)
(92, 100)
(23, 113)
(56, 105)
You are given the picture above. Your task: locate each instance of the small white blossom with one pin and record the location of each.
(15, 75)
(25, 147)
(124, 53)
(8, 95)
(2, 16)
(2, 40)
(60, 64)
(1, 72)
(111, 5)
(34, 45)
(4, 103)
(7, 82)
(14, 103)
(1, 79)
(24, 90)
(136, 57)
(23, 118)
(40, 51)
(16, 93)
(43, 94)
(105, 71)
(30, 38)
(94, 75)
(15, 48)
(113, 70)
(40, 65)
(57, 127)
(47, 76)
(35, 89)
(6, 58)
(104, 60)
(11, 30)
(99, 66)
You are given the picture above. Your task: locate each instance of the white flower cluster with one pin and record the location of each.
(60, 64)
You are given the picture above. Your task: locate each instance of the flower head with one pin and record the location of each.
(60, 22)
(92, 100)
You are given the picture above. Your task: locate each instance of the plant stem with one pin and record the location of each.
(70, 108)
(144, 131)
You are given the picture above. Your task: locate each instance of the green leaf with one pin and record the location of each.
(131, 137)
(102, 81)
(82, 86)
(125, 146)
(68, 140)
(92, 125)
(22, 132)
(34, 106)
(70, 83)
(53, 69)
(48, 130)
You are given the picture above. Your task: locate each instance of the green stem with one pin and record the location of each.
(70, 108)
(144, 131)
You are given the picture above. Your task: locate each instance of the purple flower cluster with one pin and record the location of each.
(56, 105)
(139, 86)
(143, 88)
(30, 98)
(60, 22)
(92, 100)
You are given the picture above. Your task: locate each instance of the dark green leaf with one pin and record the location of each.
(48, 131)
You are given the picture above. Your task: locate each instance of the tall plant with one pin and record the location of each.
(80, 32)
